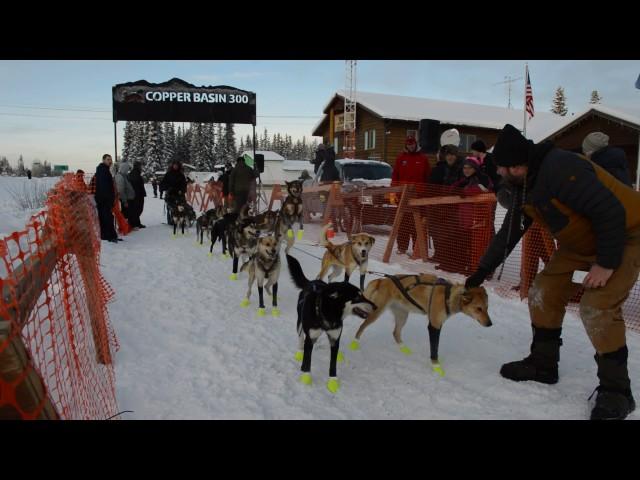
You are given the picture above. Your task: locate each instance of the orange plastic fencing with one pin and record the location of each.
(205, 197)
(439, 230)
(56, 341)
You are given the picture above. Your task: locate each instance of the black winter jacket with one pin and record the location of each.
(490, 169)
(135, 177)
(173, 182)
(329, 170)
(105, 193)
(564, 177)
(443, 174)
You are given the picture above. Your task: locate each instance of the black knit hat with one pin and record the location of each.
(479, 146)
(512, 148)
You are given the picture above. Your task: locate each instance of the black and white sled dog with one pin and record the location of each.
(203, 224)
(206, 221)
(221, 230)
(180, 214)
(263, 265)
(322, 308)
(291, 213)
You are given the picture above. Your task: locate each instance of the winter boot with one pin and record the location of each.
(542, 364)
(614, 400)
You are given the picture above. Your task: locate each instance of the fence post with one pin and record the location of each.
(17, 368)
(276, 194)
(396, 223)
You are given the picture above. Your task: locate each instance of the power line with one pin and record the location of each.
(54, 108)
(86, 109)
(52, 116)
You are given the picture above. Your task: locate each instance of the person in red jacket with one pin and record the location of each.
(412, 168)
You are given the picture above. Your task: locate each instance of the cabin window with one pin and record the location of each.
(369, 139)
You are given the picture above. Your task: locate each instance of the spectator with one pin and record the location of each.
(487, 163)
(319, 158)
(443, 219)
(105, 198)
(29, 174)
(304, 176)
(125, 190)
(154, 184)
(448, 169)
(473, 231)
(596, 148)
(489, 168)
(136, 206)
(329, 170)
(411, 168)
(79, 180)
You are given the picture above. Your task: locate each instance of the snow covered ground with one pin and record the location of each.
(189, 351)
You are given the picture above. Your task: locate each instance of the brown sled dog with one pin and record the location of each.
(424, 294)
(348, 256)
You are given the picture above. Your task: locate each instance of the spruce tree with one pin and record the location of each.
(5, 166)
(186, 145)
(21, 170)
(154, 150)
(559, 103)
(595, 97)
(129, 132)
(169, 144)
(230, 143)
(211, 142)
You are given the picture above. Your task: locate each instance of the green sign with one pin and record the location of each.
(248, 160)
(61, 168)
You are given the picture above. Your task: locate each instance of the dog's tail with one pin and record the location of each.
(324, 241)
(297, 275)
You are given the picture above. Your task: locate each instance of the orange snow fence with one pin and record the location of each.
(56, 341)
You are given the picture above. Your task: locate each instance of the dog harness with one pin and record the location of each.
(439, 282)
(267, 271)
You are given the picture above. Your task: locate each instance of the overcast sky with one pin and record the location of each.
(60, 111)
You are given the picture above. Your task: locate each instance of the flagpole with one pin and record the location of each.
(526, 78)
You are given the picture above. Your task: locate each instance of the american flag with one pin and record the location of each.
(529, 97)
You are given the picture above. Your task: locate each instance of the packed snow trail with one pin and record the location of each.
(189, 351)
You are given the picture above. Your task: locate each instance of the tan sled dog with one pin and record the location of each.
(264, 266)
(424, 294)
(348, 256)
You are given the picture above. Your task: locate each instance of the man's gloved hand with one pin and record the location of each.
(476, 279)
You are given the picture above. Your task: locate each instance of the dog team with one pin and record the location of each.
(253, 242)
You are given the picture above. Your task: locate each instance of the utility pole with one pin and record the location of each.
(349, 148)
(508, 80)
